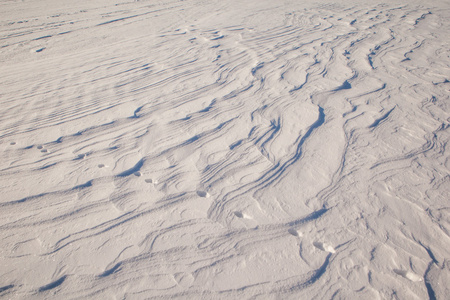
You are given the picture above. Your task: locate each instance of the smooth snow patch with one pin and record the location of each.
(408, 275)
(324, 247)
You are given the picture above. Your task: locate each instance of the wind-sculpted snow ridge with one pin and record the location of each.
(265, 150)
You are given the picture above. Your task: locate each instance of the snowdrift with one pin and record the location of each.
(224, 150)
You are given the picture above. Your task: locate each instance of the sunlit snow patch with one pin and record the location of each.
(324, 247)
(408, 275)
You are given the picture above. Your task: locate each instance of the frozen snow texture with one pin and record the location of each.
(224, 149)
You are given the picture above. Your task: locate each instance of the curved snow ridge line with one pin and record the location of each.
(432, 143)
(273, 174)
(243, 239)
(85, 22)
(310, 280)
(213, 126)
(111, 271)
(91, 106)
(381, 119)
(34, 197)
(281, 287)
(6, 287)
(200, 139)
(136, 16)
(169, 202)
(53, 284)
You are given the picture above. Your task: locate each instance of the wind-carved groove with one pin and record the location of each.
(221, 119)
(274, 173)
(112, 270)
(377, 49)
(312, 216)
(53, 284)
(317, 274)
(297, 88)
(5, 288)
(422, 17)
(379, 120)
(432, 265)
(264, 182)
(312, 278)
(132, 170)
(262, 145)
(428, 282)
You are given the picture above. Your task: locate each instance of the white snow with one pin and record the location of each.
(224, 149)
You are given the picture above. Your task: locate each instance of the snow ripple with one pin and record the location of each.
(268, 132)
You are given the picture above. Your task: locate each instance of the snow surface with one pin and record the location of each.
(224, 149)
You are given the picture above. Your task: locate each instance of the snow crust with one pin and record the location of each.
(224, 149)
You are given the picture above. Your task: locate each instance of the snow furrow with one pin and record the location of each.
(179, 149)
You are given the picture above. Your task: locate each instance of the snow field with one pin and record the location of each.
(264, 150)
